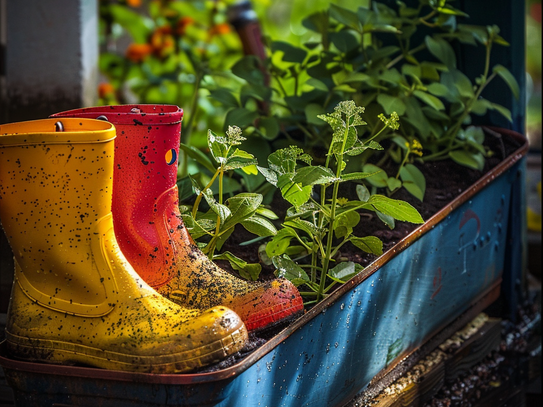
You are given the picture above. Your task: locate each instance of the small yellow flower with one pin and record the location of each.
(342, 201)
(416, 147)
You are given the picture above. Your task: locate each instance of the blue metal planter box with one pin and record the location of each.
(447, 270)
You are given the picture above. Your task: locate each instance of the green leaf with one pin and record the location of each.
(344, 271)
(369, 244)
(352, 176)
(224, 96)
(399, 210)
(386, 219)
(344, 16)
(468, 159)
(509, 79)
(259, 226)
(344, 41)
(362, 192)
(345, 222)
(248, 68)
(218, 146)
(240, 117)
(288, 269)
(438, 89)
(413, 180)
(393, 184)
(505, 112)
(239, 159)
(462, 83)
(198, 156)
(267, 213)
(312, 111)
(241, 206)
(391, 104)
(292, 191)
(314, 175)
(290, 52)
(310, 229)
(317, 84)
(249, 271)
(430, 100)
(280, 242)
(136, 25)
(442, 50)
(269, 127)
(379, 177)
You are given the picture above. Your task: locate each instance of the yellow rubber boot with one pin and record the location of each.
(75, 298)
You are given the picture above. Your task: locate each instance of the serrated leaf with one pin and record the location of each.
(368, 244)
(241, 207)
(356, 176)
(239, 159)
(314, 175)
(309, 228)
(286, 268)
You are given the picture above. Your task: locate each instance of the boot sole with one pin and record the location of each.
(66, 353)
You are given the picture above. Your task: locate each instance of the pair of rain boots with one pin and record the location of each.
(106, 273)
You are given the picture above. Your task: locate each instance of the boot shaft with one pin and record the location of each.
(55, 204)
(145, 198)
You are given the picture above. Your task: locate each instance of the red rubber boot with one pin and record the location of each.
(151, 233)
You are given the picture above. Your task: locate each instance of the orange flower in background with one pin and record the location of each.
(162, 42)
(182, 24)
(138, 52)
(219, 29)
(133, 3)
(105, 89)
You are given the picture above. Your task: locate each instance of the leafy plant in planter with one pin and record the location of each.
(355, 58)
(222, 215)
(322, 226)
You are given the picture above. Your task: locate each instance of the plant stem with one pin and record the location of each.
(330, 237)
(201, 194)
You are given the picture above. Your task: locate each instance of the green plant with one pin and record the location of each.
(322, 226)
(177, 50)
(219, 221)
(389, 60)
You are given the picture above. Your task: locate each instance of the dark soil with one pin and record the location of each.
(445, 180)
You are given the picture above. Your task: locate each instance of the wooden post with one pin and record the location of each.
(48, 63)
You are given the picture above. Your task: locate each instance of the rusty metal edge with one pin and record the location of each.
(248, 361)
